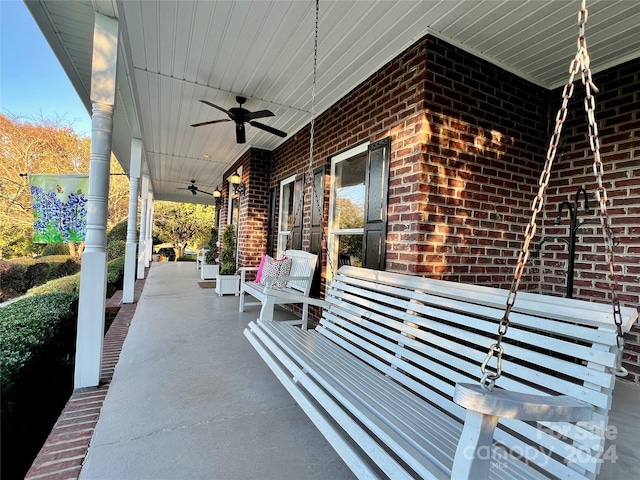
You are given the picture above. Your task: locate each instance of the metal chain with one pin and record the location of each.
(309, 173)
(580, 64)
(601, 191)
(317, 203)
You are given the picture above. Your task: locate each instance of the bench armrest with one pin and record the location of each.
(243, 272)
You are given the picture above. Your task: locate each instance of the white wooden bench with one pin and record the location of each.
(298, 286)
(378, 377)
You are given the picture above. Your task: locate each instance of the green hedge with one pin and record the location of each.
(71, 284)
(11, 280)
(116, 249)
(55, 249)
(19, 275)
(37, 348)
(115, 276)
(29, 328)
(118, 232)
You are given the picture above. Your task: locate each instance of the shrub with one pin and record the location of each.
(228, 252)
(70, 266)
(36, 274)
(11, 280)
(69, 284)
(118, 233)
(115, 276)
(116, 249)
(26, 261)
(55, 249)
(186, 258)
(30, 329)
(37, 344)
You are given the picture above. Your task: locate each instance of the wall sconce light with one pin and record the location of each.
(238, 186)
(217, 194)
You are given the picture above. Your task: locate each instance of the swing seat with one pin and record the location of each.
(296, 290)
(381, 377)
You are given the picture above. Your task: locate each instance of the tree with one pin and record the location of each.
(181, 223)
(350, 215)
(43, 146)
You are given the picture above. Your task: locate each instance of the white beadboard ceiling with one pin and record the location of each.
(174, 53)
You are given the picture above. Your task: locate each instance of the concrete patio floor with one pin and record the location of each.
(191, 399)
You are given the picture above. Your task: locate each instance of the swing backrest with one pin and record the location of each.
(303, 264)
(430, 334)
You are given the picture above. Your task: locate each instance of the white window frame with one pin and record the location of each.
(283, 235)
(332, 244)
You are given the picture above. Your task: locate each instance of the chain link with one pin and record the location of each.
(580, 64)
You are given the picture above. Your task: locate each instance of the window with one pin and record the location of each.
(358, 205)
(290, 215)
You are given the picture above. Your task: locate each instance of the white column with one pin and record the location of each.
(93, 276)
(149, 239)
(142, 251)
(130, 252)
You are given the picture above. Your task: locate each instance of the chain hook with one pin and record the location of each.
(489, 378)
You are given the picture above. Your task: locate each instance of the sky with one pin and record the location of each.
(32, 82)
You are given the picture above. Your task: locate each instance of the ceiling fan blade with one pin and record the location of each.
(269, 129)
(210, 122)
(219, 108)
(202, 191)
(260, 114)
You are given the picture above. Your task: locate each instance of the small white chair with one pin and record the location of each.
(296, 290)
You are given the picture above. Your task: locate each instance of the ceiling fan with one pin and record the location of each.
(241, 116)
(193, 189)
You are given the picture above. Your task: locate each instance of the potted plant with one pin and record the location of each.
(210, 267)
(227, 281)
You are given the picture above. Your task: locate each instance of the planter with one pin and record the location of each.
(228, 284)
(208, 272)
(155, 257)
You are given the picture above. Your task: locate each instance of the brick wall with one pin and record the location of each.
(618, 119)
(467, 141)
(254, 205)
(460, 196)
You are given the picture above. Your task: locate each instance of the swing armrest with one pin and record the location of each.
(522, 406)
(484, 410)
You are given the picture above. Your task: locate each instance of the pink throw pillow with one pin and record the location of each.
(259, 274)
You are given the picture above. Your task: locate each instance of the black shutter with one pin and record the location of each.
(296, 228)
(375, 227)
(272, 234)
(316, 229)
